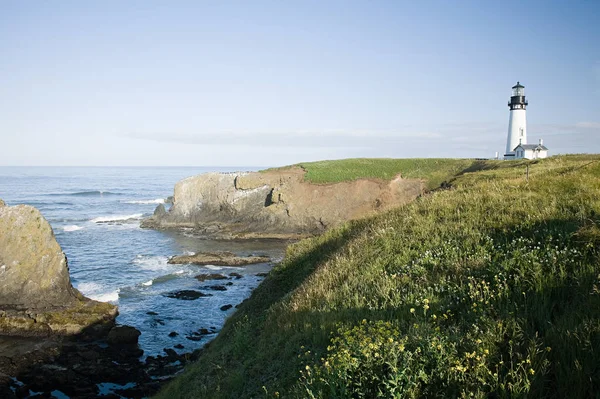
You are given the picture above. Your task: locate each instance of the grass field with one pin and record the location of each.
(433, 170)
(488, 289)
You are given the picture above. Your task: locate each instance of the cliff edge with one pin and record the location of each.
(36, 295)
(275, 204)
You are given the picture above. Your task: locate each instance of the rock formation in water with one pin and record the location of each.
(217, 259)
(36, 295)
(276, 204)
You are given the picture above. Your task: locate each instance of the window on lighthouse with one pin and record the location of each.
(521, 131)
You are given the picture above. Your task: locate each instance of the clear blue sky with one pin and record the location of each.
(271, 83)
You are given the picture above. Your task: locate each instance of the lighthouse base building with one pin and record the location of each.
(516, 142)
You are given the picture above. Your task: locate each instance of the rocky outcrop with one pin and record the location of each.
(36, 295)
(275, 204)
(218, 259)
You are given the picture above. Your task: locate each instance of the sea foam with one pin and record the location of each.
(117, 218)
(98, 292)
(72, 227)
(154, 201)
(153, 263)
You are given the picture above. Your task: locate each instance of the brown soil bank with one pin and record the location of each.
(275, 204)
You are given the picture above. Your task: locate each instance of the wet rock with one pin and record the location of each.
(236, 275)
(204, 331)
(171, 354)
(178, 346)
(193, 338)
(229, 284)
(262, 274)
(218, 259)
(123, 335)
(211, 276)
(186, 295)
(173, 334)
(152, 313)
(217, 288)
(226, 307)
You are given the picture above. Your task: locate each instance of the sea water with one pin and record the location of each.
(95, 213)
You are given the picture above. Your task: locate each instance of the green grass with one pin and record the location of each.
(488, 289)
(433, 170)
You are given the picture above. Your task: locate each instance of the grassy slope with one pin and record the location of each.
(493, 286)
(433, 170)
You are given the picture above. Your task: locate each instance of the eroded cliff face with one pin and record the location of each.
(275, 204)
(36, 295)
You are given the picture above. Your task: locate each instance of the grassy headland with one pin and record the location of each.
(433, 170)
(488, 289)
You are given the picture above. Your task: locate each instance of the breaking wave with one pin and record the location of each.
(72, 227)
(91, 193)
(98, 292)
(142, 202)
(117, 218)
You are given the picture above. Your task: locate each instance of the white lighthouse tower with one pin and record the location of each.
(517, 124)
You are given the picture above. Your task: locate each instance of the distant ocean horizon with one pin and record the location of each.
(95, 213)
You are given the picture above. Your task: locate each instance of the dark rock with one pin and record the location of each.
(90, 355)
(226, 307)
(173, 334)
(217, 288)
(236, 275)
(186, 295)
(179, 346)
(123, 335)
(204, 331)
(193, 338)
(22, 391)
(171, 354)
(152, 313)
(229, 283)
(262, 274)
(211, 276)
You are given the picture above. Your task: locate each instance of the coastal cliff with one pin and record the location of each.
(275, 204)
(36, 295)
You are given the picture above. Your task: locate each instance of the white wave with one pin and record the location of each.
(112, 296)
(98, 292)
(147, 283)
(72, 227)
(153, 263)
(154, 201)
(179, 272)
(117, 218)
(88, 287)
(211, 267)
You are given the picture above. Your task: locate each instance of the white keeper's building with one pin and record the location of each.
(516, 142)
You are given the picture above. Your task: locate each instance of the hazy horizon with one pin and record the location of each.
(147, 83)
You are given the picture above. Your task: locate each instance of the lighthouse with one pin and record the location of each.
(517, 123)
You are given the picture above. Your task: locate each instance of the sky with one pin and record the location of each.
(269, 83)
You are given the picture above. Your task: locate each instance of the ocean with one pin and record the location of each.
(95, 213)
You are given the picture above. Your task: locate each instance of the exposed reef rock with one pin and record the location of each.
(275, 204)
(218, 259)
(36, 295)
